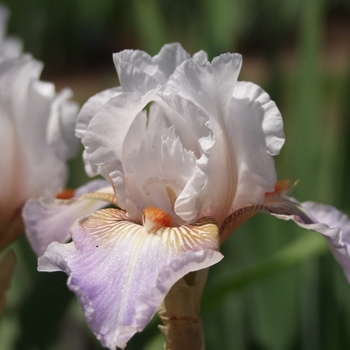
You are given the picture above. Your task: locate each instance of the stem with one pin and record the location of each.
(12, 230)
(179, 313)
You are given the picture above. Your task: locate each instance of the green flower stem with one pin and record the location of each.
(179, 313)
(12, 231)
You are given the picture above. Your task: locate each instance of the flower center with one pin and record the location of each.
(155, 218)
(65, 194)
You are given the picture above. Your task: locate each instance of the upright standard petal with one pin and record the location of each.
(210, 86)
(91, 106)
(139, 72)
(35, 136)
(122, 270)
(256, 134)
(61, 125)
(105, 137)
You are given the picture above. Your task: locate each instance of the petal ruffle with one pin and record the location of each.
(105, 137)
(190, 124)
(35, 135)
(172, 158)
(324, 219)
(159, 170)
(49, 220)
(139, 72)
(256, 133)
(169, 58)
(91, 106)
(121, 272)
(210, 86)
(333, 225)
(61, 124)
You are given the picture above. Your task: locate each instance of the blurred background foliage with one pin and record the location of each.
(278, 286)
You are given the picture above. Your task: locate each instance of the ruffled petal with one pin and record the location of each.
(61, 123)
(256, 133)
(200, 57)
(43, 163)
(190, 123)
(136, 71)
(335, 226)
(36, 138)
(139, 72)
(91, 106)
(121, 270)
(20, 139)
(324, 219)
(166, 161)
(105, 138)
(332, 224)
(169, 58)
(258, 102)
(49, 220)
(159, 170)
(210, 86)
(106, 132)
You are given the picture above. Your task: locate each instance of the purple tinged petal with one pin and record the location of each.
(121, 272)
(49, 220)
(324, 219)
(335, 227)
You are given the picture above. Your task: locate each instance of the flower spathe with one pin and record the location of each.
(188, 151)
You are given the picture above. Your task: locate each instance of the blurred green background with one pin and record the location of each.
(278, 286)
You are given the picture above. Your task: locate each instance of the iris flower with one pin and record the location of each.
(36, 139)
(187, 154)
